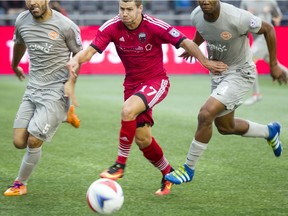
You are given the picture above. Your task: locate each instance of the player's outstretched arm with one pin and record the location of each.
(18, 52)
(198, 39)
(270, 36)
(81, 57)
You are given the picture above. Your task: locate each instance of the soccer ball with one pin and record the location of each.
(105, 196)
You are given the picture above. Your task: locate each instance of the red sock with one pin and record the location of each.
(155, 155)
(127, 133)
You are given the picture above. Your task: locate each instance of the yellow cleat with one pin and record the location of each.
(17, 189)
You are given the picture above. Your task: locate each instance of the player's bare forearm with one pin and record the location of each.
(198, 39)
(193, 50)
(270, 36)
(81, 57)
(18, 52)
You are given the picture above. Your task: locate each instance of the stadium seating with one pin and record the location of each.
(96, 12)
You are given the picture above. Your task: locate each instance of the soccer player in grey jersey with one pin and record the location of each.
(225, 28)
(269, 11)
(50, 38)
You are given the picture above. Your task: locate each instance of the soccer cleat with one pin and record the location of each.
(255, 98)
(273, 138)
(72, 118)
(17, 189)
(165, 188)
(183, 174)
(115, 172)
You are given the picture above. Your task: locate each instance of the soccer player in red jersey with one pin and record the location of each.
(138, 39)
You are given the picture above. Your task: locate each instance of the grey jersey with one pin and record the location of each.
(265, 9)
(227, 37)
(49, 45)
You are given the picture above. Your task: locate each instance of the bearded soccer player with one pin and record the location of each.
(50, 38)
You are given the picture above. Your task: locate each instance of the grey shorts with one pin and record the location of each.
(231, 87)
(42, 111)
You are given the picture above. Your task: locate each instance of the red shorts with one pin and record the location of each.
(151, 92)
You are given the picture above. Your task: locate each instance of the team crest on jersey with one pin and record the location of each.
(253, 23)
(226, 35)
(174, 32)
(78, 40)
(53, 35)
(142, 37)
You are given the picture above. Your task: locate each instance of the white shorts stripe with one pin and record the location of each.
(164, 84)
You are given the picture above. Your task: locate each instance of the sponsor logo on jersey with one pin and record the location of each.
(148, 47)
(122, 39)
(217, 47)
(226, 35)
(53, 35)
(39, 47)
(174, 32)
(142, 37)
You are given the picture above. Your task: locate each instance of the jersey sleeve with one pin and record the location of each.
(249, 22)
(174, 36)
(17, 39)
(73, 38)
(103, 38)
(193, 15)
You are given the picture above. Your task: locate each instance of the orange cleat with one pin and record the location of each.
(17, 189)
(115, 172)
(165, 188)
(72, 118)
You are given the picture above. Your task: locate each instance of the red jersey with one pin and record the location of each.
(140, 50)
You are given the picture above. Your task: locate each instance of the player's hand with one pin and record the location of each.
(278, 75)
(73, 67)
(215, 67)
(69, 91)
(186, 56)
(19, 73)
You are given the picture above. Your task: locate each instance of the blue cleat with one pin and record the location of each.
(181, 175)
(273, 138)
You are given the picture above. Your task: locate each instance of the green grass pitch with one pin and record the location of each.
(235, 176)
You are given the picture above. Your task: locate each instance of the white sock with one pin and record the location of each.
(195, 151)
(257, 130)
(30, 160)
(256, 88)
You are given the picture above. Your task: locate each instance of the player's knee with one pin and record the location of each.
(33, 142)
(19, 144)
(204, 117)
(127, 113)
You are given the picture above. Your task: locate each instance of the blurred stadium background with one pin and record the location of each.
(236, 175)
(95, 12)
